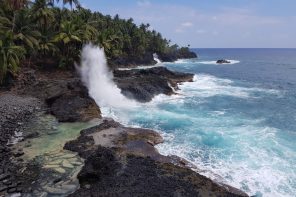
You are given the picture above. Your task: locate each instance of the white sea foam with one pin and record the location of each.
(258, 171)
(155, 57)
(140, 67)
(181, 61)
(253, 159)
(208, 86)
(215, 62)
(99, 80)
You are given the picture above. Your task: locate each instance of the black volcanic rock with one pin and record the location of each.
(144, 84)
(129, 165)
(182, 53)
(132, 61)
(67, 99)
(223, 61)
(15, 112)
(71, 108)
(147, 58)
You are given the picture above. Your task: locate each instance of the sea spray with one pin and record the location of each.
(155, 57)
(99, 80)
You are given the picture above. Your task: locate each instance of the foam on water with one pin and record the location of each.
(155, 57)
(224, 144)
(181, 61)
(209, 86)
(140, 67)
(226, 128)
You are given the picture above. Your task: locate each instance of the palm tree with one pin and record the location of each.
(41, 14)
(21, 28)
(69, 32)
(10, 55)
(25, 31)
(46, 45)
(69, 40)
(16, 4)
(76, 2)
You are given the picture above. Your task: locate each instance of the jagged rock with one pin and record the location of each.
(143, 85)
(182, 53)
(223, 61)
(4, 176)
(18, 154)
(130, 166)
(3, 188)
(67, 99)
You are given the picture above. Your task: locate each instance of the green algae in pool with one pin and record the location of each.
(58, 176)
(52, 135)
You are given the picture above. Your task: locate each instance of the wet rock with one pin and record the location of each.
(133, 167)
(50, 166)
(60, 170)
(18, 154)
(143, 85)
(223, 61)
(66, 164)
(3, 188)
(7, 182)
(4, 176)
(57, 180)
(71, 108)
(31, 135)
(181, 53)
(67, 99)
(54, 190)
(13, 185)
(12, 190)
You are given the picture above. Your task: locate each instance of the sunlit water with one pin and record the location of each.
(236, 122)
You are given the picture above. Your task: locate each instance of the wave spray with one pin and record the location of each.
(99, 80)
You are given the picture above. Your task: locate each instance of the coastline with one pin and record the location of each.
(57, 93)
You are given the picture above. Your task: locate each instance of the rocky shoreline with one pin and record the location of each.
(119, 161)
(122, 161)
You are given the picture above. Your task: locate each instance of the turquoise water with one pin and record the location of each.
(236, 123)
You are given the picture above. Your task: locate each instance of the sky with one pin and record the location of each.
(211, 23)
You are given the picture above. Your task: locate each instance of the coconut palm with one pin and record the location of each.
(25, 31)
(16, 4)
(42, 14)
(10, 55)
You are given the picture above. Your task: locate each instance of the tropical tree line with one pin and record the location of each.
(40, 32)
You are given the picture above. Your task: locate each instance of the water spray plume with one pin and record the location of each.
(99, 80)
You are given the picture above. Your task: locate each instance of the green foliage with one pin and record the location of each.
(10, 55)
(38, 31)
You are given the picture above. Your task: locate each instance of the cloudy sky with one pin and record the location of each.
(212, 23)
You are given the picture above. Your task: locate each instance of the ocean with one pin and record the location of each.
(236, 122)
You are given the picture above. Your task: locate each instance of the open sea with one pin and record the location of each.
(236, 122)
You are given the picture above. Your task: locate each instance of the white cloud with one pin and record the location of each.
(179, 30)
(144, 3)
(226, 27)
(187, 24)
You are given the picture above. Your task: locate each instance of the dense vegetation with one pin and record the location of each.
(41, 34)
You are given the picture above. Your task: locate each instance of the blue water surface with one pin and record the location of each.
(235, 122)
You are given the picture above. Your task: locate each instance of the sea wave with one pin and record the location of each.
(184, 61)
(205, 85)
(141, 67)
(226, 146)
(262, 171)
